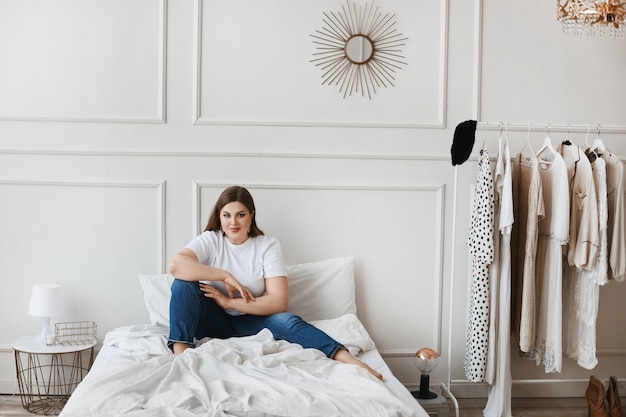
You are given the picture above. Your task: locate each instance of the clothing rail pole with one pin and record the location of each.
(447, 387)
(550, 127)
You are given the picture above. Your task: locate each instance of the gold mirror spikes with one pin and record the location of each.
(359, 49)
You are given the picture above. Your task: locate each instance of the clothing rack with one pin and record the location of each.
(527, 127)
(549, 127)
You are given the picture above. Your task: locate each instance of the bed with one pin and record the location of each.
(135, 374)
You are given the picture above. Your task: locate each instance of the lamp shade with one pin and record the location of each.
(46, 300)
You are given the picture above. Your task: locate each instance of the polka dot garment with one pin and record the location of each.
(481, 249)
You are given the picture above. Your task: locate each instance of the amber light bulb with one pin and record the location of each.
(426, 359)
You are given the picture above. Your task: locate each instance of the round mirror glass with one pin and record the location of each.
(359, 49)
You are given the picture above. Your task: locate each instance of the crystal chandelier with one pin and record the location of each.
(592, 17)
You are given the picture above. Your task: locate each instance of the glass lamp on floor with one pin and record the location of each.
(426, 360)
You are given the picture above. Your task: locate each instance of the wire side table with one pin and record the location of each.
(47, 375)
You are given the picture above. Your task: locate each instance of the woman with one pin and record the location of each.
(231, 281)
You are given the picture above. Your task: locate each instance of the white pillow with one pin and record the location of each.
(156, 295)
(347, 330)
(317, 291)
(322, 290)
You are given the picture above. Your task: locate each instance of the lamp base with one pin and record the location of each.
(45, 330)
(429, 395)
(424, 393)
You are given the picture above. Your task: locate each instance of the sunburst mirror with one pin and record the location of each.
(358, 49)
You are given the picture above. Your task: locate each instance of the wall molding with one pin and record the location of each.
(407, 353)
(199, 119)
(477, 103)
(217, 154)
(158, 186)
(161, 114)
(526, 388)
(439, 190)
(478, 58)
(9, 387)
(234, 154)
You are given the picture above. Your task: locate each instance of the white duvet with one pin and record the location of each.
(251, 376)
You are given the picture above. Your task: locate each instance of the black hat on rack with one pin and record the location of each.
(463, 141)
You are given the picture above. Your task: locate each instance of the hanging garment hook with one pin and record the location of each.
(598, 144)
(484, 138)
(506, 132)
(589, 150)
(547, 144)
(530, 148)
(567, 140)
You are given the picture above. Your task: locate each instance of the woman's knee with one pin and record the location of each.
(286, 321)
(184, 288)
(184, 291)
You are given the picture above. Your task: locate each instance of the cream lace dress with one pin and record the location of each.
(553, 234)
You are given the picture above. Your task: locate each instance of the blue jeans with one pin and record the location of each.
(192, 315)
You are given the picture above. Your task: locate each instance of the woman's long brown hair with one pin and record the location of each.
(230, 195)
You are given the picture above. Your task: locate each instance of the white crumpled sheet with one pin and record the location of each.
(250, 376)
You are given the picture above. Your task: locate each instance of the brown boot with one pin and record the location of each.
(595, 398)
(612, 398)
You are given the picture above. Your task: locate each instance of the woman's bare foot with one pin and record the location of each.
(179, 347)
(346, 357)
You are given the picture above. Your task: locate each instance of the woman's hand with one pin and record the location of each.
(212, 292)
(274, 300)
(232, 286)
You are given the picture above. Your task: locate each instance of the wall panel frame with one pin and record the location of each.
(298, 73)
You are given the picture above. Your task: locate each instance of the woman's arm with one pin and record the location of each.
(185, 266)
(275, 299)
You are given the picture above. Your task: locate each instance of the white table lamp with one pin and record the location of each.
(45, 302)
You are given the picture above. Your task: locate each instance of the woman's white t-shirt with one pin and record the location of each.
(250, 263)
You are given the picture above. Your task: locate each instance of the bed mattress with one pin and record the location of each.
(255, 376)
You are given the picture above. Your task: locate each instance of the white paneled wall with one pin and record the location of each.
(120, 123)
(245, 55)
(83, 60)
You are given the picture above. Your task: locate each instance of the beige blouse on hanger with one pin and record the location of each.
(617, 215)
(584, 236)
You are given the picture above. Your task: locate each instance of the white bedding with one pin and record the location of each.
(136, 375)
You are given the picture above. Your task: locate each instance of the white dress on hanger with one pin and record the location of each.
(599, 273)
(553, 234)
(480, 244)
(495, 270)
(498, 372)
